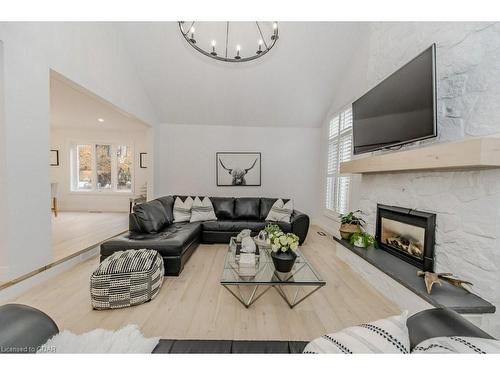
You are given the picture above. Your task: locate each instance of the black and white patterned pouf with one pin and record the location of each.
(126, 278)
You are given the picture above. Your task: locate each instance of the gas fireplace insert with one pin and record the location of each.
(408, 234)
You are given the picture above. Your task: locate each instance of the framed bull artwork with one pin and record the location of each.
(238, 168)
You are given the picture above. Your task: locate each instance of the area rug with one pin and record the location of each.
(128, 339)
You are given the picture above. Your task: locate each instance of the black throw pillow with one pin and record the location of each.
(168, 204)
(152, 216)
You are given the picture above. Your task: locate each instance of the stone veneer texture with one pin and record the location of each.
(467, 203)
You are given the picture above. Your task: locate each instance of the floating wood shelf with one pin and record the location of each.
(474, 153)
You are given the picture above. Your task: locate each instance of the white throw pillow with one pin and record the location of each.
(456, 344)
(388, 335)
(280, 211)
(182, 210)
(128, 339)
(202, 210)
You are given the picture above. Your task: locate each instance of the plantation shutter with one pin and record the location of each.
(332, 162)
(339, 150)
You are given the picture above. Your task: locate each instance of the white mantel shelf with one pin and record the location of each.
(473, 153)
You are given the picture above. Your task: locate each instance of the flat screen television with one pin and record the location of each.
(400, 109)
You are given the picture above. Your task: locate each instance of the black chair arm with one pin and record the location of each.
(300, 225)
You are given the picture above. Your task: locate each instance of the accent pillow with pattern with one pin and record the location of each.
(388, 335)
(182, 210)
(202, 210)
(281, 211)
(457, 344)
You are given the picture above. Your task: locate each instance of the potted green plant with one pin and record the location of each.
(362, 239)
(271, 228)
(284, 247)
(350, 223)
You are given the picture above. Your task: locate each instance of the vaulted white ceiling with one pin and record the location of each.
(74, 107)
(293, 85)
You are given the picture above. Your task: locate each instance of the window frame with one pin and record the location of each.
(74, 169)
(331, 196)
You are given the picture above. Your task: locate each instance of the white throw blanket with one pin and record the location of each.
(128, 339)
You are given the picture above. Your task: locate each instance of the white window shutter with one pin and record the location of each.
(339, 150)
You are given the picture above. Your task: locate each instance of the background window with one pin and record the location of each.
(110, 166)
(84, 162)
(339, 150)
(103, 162)
(124, 160)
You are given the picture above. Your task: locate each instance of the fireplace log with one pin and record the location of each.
(431, 278)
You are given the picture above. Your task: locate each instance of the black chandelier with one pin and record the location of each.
(203, 39)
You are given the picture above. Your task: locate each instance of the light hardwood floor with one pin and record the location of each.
(195, 305)
(75, 231)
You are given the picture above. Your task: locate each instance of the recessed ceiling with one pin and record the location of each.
(73, 107)
(293, 85)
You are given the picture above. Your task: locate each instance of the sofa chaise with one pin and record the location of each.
(152, 226)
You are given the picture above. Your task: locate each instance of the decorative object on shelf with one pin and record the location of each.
(262, 236)
(247, 265)
(238, 168)
(246, 261)
(283, 246)
(247, 245)
(244, 233)
(362, 239)
(143, 159)
(258, 38)
(54, 158)
(262, 240)
(431, 278)
(351, 223)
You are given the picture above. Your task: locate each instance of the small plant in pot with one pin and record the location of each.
(351, 223)
(284, 247)
(362, 239)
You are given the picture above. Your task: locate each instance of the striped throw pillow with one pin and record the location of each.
(388, 335)
(182, 210)
(281, 211)
(202, 210)
(456, 344)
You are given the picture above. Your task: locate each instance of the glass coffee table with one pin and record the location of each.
(294, 287)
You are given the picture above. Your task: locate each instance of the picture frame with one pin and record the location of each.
(238, 168)
(143, 159)
(54, 158)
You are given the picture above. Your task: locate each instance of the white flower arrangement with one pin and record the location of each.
(281, 241)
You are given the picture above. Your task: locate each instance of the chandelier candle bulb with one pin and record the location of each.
(275, 31)
(238, 49)
(260, 46)
(192, 35)
(213, 53)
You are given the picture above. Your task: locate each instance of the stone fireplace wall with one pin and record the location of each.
(467, 203)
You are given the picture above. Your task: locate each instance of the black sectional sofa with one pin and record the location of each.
(23, 329)
(152, 226)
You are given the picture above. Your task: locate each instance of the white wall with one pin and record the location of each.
(63, 139)
(185, 161)
(91, 55)
(3, 205)
(466, 202)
